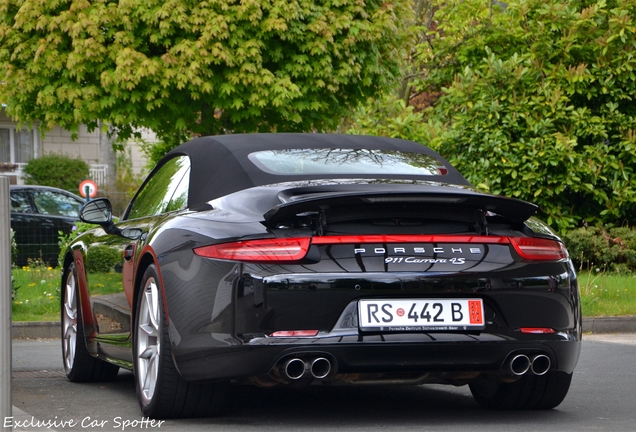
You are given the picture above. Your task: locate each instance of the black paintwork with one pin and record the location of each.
(220, 313)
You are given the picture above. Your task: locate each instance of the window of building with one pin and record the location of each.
(17, 146)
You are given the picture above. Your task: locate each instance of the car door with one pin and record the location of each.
(111, 289)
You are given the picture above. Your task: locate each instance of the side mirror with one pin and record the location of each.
(99, 211)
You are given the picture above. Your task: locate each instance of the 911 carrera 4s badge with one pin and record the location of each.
(418, 260)
(421, 257)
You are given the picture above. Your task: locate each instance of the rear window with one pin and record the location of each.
(346, 161)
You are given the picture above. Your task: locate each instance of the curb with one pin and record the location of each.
(35, 330)
(626, 324)
(51, 329)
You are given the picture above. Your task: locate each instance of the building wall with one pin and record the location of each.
(86, 146)
(92, 147)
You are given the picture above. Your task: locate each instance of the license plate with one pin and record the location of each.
(421, 315)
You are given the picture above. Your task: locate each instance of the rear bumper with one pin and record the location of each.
(220, 332)
(396, 354)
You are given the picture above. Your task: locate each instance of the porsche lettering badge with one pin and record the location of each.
(427, 254)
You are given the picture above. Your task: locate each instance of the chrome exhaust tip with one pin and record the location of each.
(540, 364)
(320, 368)
(520, 364)
(294, 368)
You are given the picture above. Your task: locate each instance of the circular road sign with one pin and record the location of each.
(91, 186)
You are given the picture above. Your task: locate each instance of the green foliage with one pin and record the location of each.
(126, 182)
(63, 240)
(594, 248)
(183, 68)
(14, 246)
(391, 117)
(538, 101)
(102, 259)
(14, 254)
(56, 170)
(154, 151)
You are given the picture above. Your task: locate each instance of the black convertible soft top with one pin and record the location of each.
(220, 164)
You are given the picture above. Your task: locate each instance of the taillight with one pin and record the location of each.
(407, 238)
(538, 249)
(294, 249)
(278, 249)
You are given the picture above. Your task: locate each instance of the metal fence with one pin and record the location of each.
(98, 173)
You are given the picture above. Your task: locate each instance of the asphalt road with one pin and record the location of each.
(601, 399)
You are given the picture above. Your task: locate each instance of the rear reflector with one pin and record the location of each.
(277, 250)
(295, 333)
(537, 249)
(537, 330)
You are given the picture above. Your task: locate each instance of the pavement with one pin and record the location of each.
(601, 400)
(620, 330)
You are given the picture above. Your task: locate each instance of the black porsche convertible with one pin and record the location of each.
(299, 259)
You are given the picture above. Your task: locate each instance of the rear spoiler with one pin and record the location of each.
(317, 198)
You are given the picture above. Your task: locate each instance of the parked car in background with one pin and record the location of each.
(38, 213)
(298, 259)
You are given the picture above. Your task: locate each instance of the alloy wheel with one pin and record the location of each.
(69, 321)
(148, 341)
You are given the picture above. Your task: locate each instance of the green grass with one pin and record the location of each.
(604, 294)
(37, 298)
(38, 295)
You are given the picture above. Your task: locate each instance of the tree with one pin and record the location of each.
(184, 67)
(533, 99)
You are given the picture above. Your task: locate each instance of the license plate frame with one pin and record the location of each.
(397, 315)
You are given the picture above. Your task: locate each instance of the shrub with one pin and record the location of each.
(56, 170)
(538, 101)
(613, 249)
(102, 259)
(391, 117)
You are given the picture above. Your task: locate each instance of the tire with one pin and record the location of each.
(530, 392)
(79, 364)
(161, 391)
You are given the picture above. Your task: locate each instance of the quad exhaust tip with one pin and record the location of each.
(520, 364)
(320, 368)
(296, 368)
(538, 365)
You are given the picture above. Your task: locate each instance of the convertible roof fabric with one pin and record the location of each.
(220, 164)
